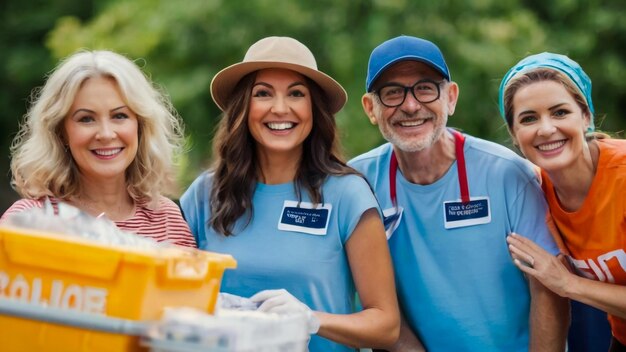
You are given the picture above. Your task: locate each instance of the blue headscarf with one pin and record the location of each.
(558, 62)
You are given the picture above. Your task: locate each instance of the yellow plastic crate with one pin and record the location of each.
(66, 272)
(26, 335)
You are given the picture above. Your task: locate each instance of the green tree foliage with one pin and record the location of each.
(24, 61)
(182, 44)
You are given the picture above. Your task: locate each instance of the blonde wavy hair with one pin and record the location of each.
(42, 166)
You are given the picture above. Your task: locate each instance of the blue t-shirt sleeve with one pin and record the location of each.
(193, 203)
(356, 198)
(529, 216)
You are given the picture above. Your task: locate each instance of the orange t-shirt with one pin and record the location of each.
(595, 234)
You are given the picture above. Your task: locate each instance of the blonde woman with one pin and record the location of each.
(100, 136)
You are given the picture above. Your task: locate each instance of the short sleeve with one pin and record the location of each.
(356, 198)
(194, 203)
(178, 231)
(19, 206)
(528, 216)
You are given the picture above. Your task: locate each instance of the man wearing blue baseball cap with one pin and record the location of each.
(449, 201)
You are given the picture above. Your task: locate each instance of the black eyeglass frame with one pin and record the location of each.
(412, 89)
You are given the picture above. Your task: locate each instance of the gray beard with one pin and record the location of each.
(412, 145)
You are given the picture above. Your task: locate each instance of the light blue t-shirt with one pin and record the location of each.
(458, 287)
(311, 266)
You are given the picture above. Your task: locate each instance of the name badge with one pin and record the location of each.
(475, 212)
(307, 218)
(391, 219)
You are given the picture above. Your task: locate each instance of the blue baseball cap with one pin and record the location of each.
(558, 62)
(404, 48)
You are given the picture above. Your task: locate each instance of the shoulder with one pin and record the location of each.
(499, 158)
(351, 196)
(200, 186)
(371, 156)
(613, 143)
(611, 168)
(162, 208)
(196, 199)
(352, 191)
(371, 162)
(615, 149)
(490, 149)
(164, 223)
(165, 217)
(27, 203)
(345, 182)
(206, 177)
(167, 205)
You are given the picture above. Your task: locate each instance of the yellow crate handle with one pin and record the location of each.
(198, 268)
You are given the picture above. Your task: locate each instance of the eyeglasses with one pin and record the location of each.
(425, 91)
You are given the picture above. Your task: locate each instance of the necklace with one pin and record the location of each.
(119, 212)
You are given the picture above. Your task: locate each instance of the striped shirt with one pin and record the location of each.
(163, 224)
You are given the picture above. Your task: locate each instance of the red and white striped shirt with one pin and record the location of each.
(163, 224)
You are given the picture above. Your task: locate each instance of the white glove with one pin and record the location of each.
(282, 302)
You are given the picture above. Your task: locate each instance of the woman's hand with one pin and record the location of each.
(553, 274)
(543, 266)
(282, 302)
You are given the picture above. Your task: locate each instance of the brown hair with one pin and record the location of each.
(236, 166)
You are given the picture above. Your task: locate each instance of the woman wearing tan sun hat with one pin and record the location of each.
(304, 227)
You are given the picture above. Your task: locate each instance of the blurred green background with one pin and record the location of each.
(182, 44)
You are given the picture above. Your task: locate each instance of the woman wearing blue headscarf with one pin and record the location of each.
(546, 102)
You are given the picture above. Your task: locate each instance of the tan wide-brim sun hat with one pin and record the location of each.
(277, 52)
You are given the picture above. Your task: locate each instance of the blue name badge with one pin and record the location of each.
(475, 212)
(307, 218)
